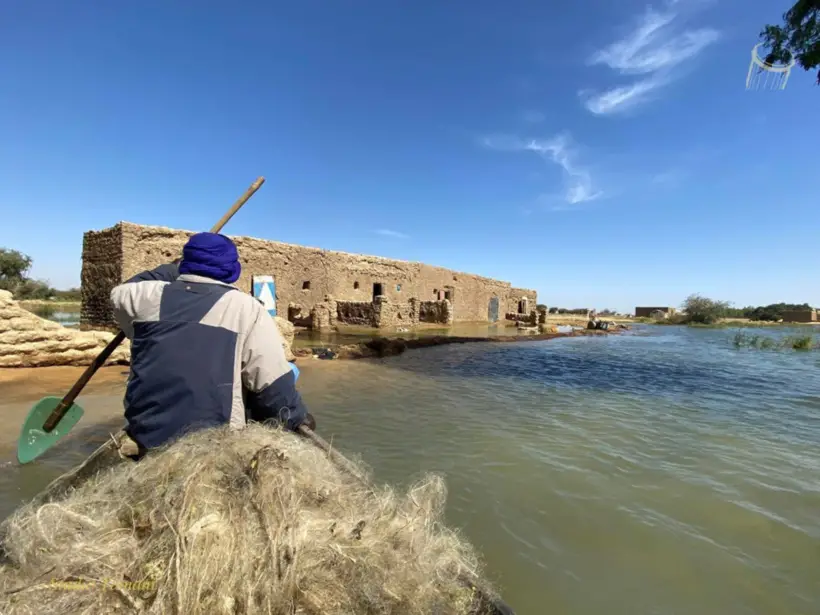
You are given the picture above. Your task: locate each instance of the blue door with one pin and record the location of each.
(264, 289)
(492, 310)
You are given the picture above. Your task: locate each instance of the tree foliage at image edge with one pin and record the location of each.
(14, 267)
(798, 38)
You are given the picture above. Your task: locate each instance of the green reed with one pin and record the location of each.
(742, 339)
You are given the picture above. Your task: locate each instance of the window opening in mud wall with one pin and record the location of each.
(377, 289)
(435, 294)
(449, 293)
(355, 286)
(522, 306)
(306, 285)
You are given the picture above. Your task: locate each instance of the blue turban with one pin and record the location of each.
(211, 255)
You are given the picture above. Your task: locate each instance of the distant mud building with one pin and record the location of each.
(654, 312)
(800, 316)
(311, 287)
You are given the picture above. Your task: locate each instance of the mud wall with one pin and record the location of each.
(304, 276)
(101, 271)
(392, 314)
(516, 296)
(435, 312)
(800, 316)
(532, 318)
(646, 312)
(355, 313)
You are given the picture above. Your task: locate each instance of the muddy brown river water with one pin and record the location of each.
(662, 472)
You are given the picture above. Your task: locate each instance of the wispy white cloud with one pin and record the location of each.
(654, 48)
(620, 98)
(578, 184)
(388, 233)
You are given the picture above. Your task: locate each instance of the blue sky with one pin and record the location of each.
(604, 153)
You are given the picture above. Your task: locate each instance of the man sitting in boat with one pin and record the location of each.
(203, 353)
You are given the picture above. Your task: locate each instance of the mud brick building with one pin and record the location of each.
(313, 287)
(652, 312)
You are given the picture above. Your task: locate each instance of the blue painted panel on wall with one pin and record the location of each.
(264, 289)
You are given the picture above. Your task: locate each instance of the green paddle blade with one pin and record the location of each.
(34, 441)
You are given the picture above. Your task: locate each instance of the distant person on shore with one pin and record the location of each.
(203, 353)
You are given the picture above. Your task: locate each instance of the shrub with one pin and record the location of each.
(703, 311)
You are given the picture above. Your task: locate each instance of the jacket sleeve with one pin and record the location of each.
(268, 381)
(163, 273)
(126, 297)
(123, 302)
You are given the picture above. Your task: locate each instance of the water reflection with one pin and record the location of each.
(353, 335)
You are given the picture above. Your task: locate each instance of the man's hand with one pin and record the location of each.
(310, 422)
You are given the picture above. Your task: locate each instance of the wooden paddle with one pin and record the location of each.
(51, 418)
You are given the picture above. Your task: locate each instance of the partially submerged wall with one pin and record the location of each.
(531, 318)
(435, 312)
(304, 276)
(361, 313)
(391, 314)
(521, 300)
(384, 313)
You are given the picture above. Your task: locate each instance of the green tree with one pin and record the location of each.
(33, 289)
(734, 312)
(13, 268)
(704, 311)
(72, 294)
(798, 37)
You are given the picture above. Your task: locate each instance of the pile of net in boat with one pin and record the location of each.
(250, 521)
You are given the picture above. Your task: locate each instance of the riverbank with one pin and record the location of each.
(69, 306)
(385, 347)
(726, 323)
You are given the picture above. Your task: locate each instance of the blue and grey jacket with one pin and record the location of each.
(201, 353)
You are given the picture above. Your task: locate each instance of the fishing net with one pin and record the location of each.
(227, 522)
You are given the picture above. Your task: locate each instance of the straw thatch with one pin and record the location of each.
(225, 522)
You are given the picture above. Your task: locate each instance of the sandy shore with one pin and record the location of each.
(27, 383)
(57, 305)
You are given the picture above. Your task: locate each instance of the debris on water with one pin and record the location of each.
(324, 353)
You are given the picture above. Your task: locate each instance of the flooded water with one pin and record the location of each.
(664, 472)
(67, 315)
(353, 335)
